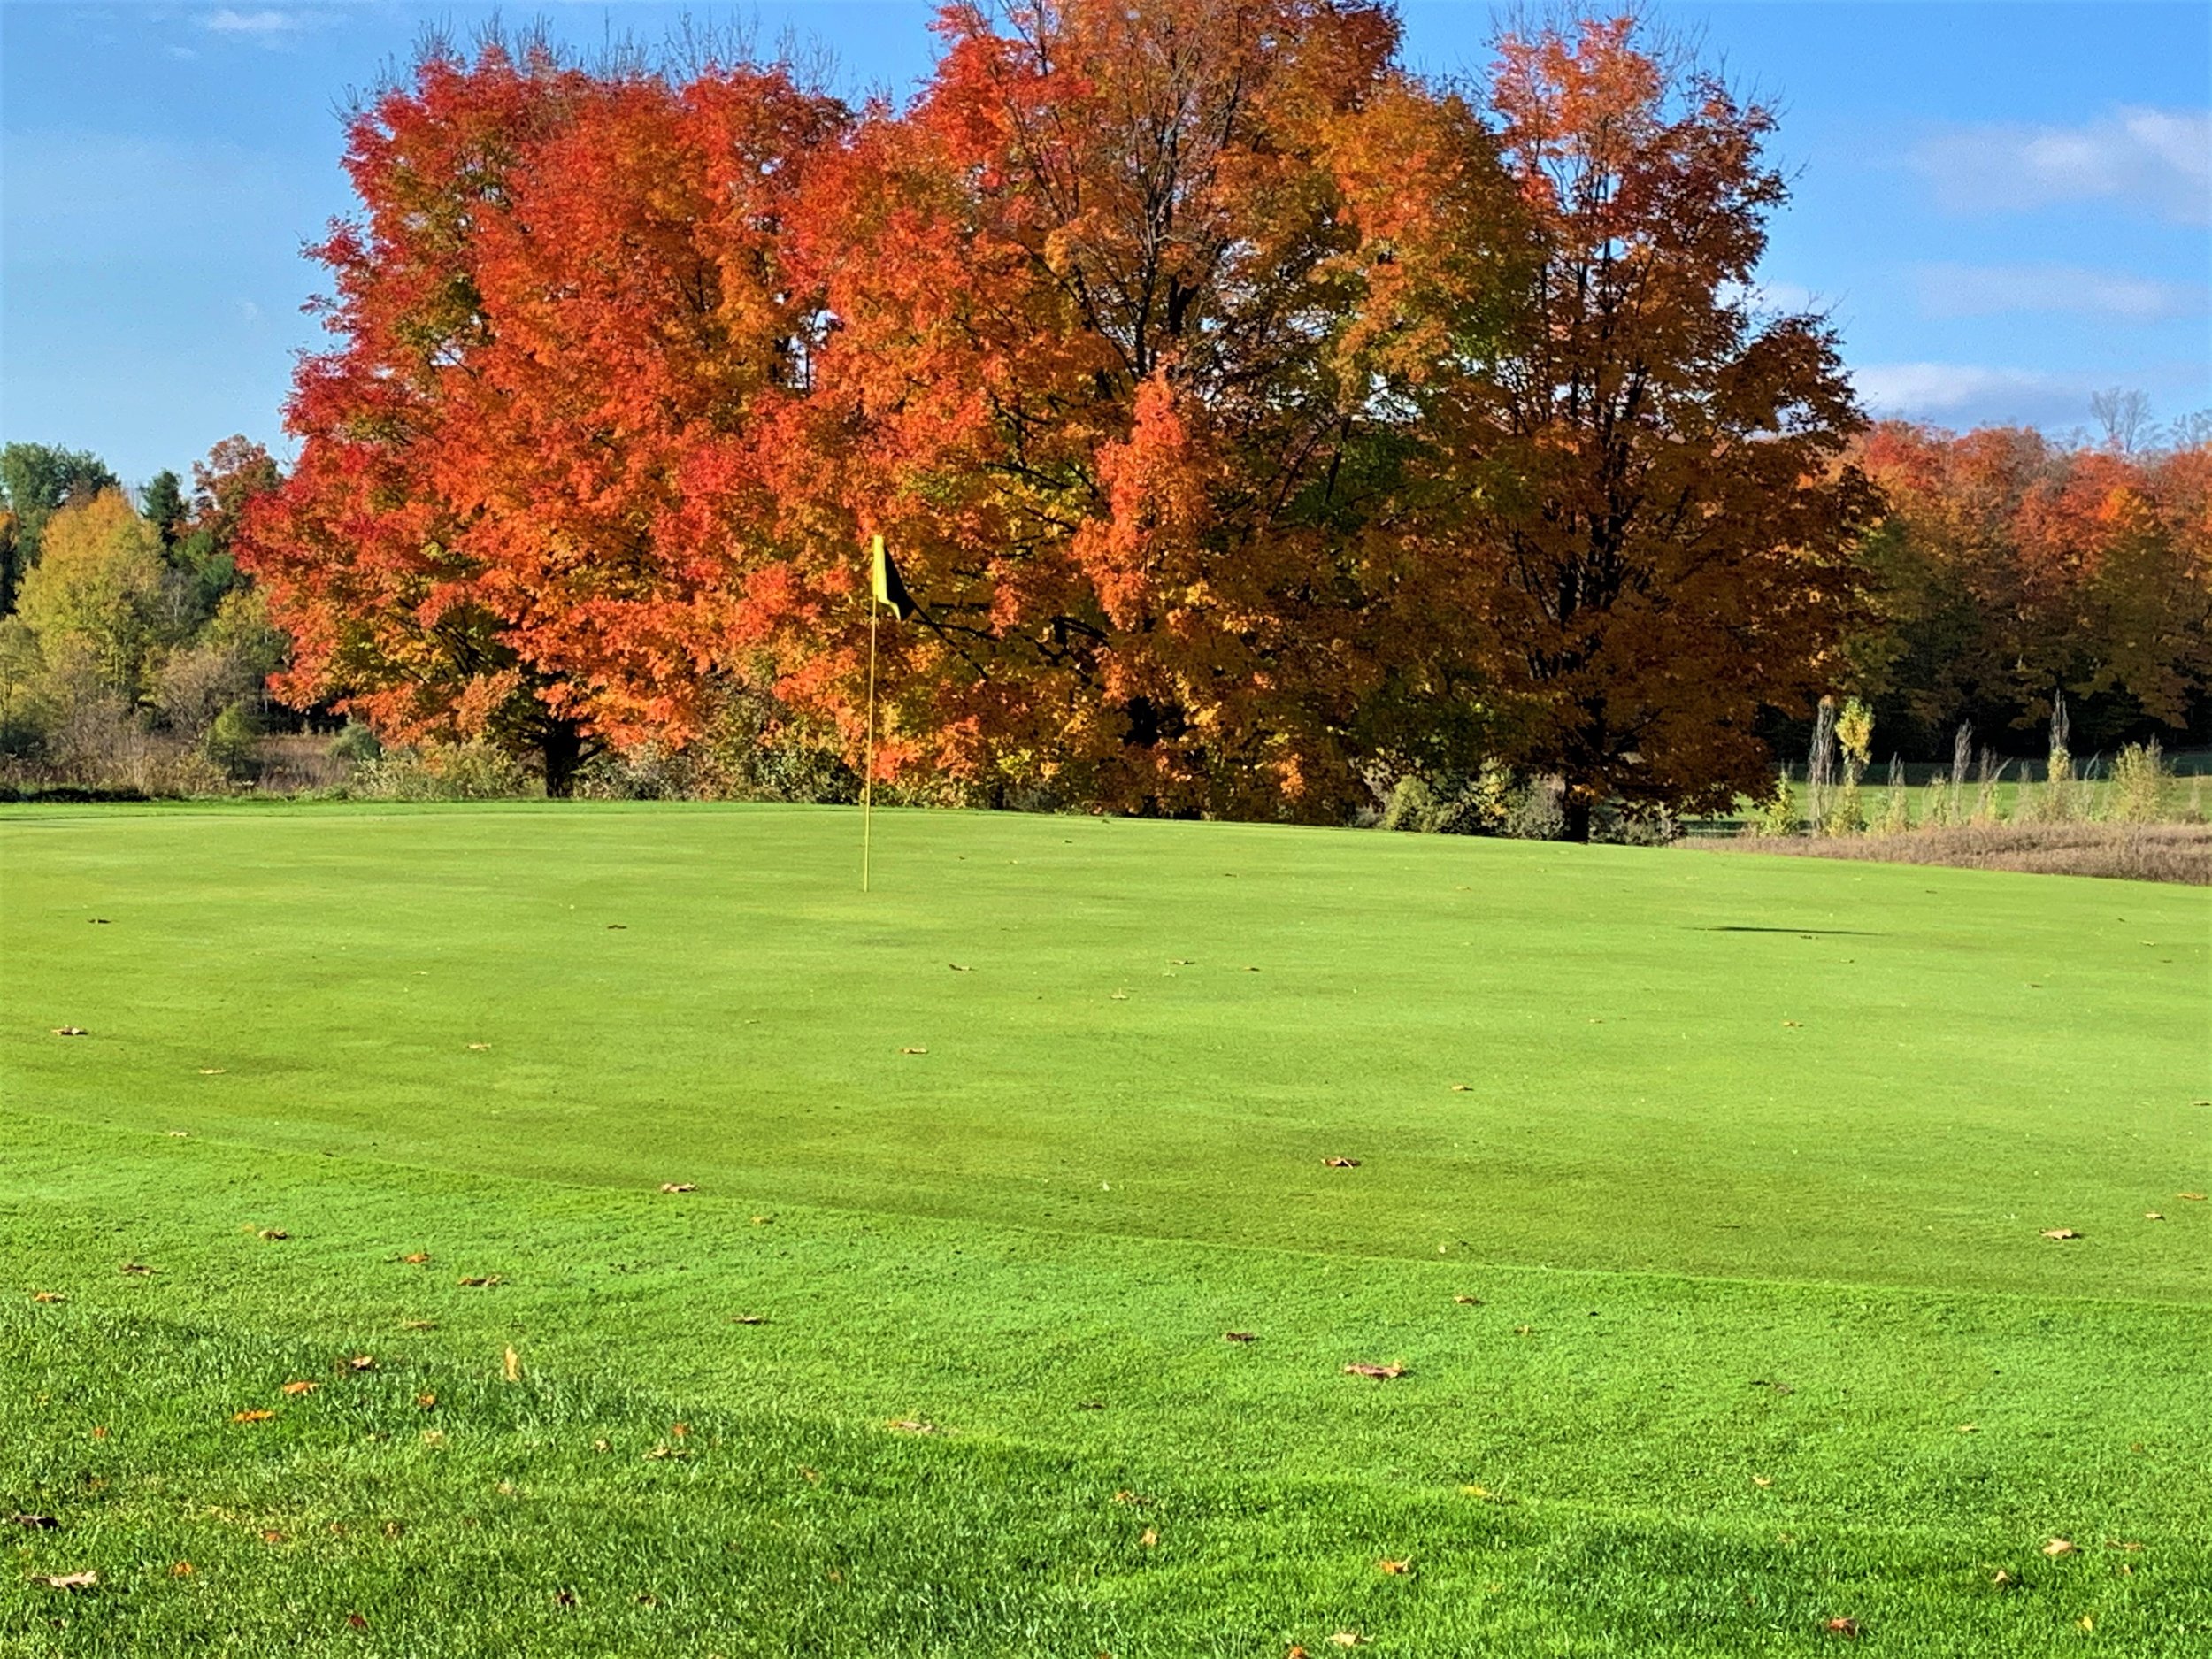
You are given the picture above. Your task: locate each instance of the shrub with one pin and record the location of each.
(2141, 784)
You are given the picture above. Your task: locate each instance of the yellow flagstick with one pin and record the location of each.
(868, 747)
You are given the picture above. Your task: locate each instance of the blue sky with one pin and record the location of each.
(2005, 207)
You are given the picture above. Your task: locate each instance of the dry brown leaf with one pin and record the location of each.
(2060, 1233)
(664, 1451)
(274, 1234)
(86, 1580)
(479, 1048)
(2086, 1622)
(1468, 1302)
(1794, 1025)
(749, 1318)
(70, 1030)
(2001, 1578)
(2153, 1215)
(764, 1221)
(1841, 1627)
(301, 1387)
(812, 1477)
(959, 967)
(2060, 1547)
(47, 1295)
(1378, 1371)
(139, 1269)
(1969, 1428)
(1463, 1089)
(1348, 1638)
(1296, 1652)
(354, 1621)
(1239, 1336)
(1149, 1539)
(914, 1050)
(362, 1362)
(426, 1400)
(419, 1259)
(256, 1415)
(678, 1187)
(43, 1523)
(511, 1366)
(481, 1281)
(180, 1570)
(1524, 1330)
(1762, 1481)
(99, 1434)
(2194, 1198)
(1398, 1569)
(1341, 1163)
(272, 1537)
(912, 1425)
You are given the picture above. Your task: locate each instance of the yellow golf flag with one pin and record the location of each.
(890, 591)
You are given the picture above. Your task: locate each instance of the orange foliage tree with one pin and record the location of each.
(1666, 516)
(2011, 570)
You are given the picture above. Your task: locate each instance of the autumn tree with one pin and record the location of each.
(527, 482)
(2010, 570)
(1665, 516)
(37, 482)
(1111, 306)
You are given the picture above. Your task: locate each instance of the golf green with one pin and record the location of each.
(1701, 1206)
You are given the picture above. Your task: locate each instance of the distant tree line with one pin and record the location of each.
(1266, 430)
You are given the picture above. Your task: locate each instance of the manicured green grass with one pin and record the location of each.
(1744, 1162)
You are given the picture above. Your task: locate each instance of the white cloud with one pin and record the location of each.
(267, 24)
(1943, 388)
(1970, 290)
(2156, 159)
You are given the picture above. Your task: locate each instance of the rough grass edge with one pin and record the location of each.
(2178, 853)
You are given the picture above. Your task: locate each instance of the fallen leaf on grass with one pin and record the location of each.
(749, 1318)
(812, 1477)
(912, 1425)
(362, 1362)
(418, 1324)
(2060, 1547)
(1397, 1569)
(137, 1268)
(1150, 1538)
(1969, 1428)
(47, 1295)
(512, 1367)
(1524, 1330)
(1762, 1481)
(2002, 1579)
(764, 1221)
(2194, 1198)
(2153, 1215)
(2114, 1543)
(420, 1258)
(1463, 1089)
(1126, 1496)
(70, 1030)
(1296, 1652)
(914, 1050)
(1841, 1627)
(274, 1235)
(180, 1570)
(1794, 1025)
(43, 1523)
(479, 1048)
(481, 1281)
(678, 1187)
(272, 1537)
(301, 1387)
(1239, 1336)
(179, 1135)
(1182, 961)
(214, 1071)
(1378, 1371)
(2060, 1233)
(98, 921)
(87, 1580)
(256, 1415)
(354, 1621)
(2086, 1622)
(1341, 1163)
(1348, 1638)
(959, 967)
(664, 1451)
(426, 1400)
(1468, 1302)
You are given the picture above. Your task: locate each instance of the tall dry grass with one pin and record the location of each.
(2126, 851)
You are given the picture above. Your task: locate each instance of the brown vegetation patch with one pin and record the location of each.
(2129, 852)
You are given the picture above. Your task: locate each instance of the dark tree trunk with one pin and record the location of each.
(563, 753)
(1575, 809)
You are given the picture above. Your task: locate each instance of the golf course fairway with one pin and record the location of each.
(1696, 1210)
